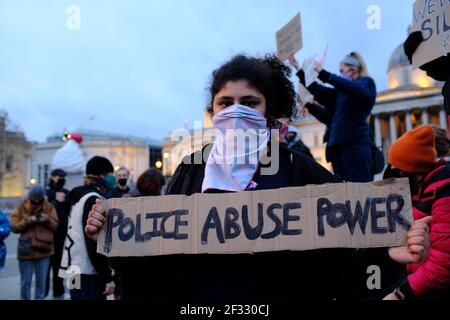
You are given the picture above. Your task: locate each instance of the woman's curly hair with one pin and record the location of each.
(269, 75)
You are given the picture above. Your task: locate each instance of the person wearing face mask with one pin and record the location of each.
(438, 69)
(414, 156)
(349, 104)
(246, 94)
(56, 195)
(122, 188)
(35, 219)
(79, 250)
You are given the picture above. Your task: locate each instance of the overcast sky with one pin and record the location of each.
(142, 67)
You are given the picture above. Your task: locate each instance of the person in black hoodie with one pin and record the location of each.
(438, 69)
(256, 92)
(57, 195)
(80, 252)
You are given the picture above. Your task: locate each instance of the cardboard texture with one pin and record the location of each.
(289, 38)
(432, 17)
(349, 215)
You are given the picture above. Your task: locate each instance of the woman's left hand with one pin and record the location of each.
(418, 243)
(318, 67)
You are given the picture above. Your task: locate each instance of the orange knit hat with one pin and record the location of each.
(415, 151)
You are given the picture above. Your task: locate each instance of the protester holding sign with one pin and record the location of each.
(313, 107)
(414, 156)
(246, 93)
(350, 103)
(438, 69)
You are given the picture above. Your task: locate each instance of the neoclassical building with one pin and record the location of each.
(412, 99)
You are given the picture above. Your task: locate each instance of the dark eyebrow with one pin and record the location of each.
(225, 98)
(250, 97)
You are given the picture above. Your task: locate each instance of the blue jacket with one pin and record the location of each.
(350, 103)
(5, 229)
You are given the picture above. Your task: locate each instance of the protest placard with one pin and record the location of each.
(432, 17)
(348, 215)
(289, 38)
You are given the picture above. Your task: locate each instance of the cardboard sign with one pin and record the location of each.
(350, 215)
(289, 38)
(432, 17)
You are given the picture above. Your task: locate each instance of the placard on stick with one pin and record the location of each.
(289, 38)
(350, 215)
(432, 17)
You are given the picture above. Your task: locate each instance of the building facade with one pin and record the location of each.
(412, 99)
(15, 162)
(131, 152)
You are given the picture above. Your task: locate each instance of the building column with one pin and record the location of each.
(443, 119)
(378, 140)
(408, 120)
(425, 116)
(392, 128)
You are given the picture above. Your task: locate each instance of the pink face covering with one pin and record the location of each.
(241, 140)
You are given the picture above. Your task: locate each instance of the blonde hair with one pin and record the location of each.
(363, 71)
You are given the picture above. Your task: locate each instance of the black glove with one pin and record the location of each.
(438, 69)
(412, 43)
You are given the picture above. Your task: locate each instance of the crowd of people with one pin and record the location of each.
(59, 228)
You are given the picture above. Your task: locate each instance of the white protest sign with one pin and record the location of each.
(289, 38)
(348, 215)
(311, 75)
(432, 17)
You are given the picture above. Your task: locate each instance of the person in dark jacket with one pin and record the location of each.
(415, 156)
(438, 69)
(349, 103)
(122, 188)
(56, 195)
(80, 252)
(35, 214)
(248, 93)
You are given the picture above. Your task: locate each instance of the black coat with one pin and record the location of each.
(324, 274)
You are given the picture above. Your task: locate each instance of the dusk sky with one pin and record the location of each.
(142, 67)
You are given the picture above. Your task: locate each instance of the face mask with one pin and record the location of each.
(231, 166)
(60, 184)
(347, 75)
(122, 182)
(110, 181)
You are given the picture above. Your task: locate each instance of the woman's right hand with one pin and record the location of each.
(293, 61)
(96, 220)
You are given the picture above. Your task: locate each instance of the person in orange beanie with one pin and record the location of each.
(414, 156)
